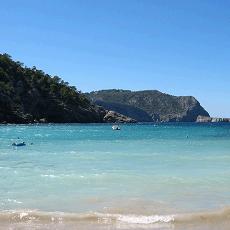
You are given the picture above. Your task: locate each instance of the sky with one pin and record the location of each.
(178, 47)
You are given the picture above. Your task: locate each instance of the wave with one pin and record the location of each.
(15, 216)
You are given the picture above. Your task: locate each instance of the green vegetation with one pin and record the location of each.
(28, 95)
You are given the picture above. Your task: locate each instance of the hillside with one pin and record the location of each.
(149, 105)
(28, 95)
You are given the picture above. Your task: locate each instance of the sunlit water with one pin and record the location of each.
(154, 170)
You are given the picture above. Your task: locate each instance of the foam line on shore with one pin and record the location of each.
(17, 216)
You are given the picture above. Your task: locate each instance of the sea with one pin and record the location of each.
(88, 176)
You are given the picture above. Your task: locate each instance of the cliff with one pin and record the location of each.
(149, 105)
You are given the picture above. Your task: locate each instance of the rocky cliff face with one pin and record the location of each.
(149, 105)
(128, 110)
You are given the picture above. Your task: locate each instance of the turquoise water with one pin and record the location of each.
(143, 169)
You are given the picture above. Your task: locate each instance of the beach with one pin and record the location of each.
(144, 176)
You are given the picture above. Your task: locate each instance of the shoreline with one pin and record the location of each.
(198, 220)
(123, 123)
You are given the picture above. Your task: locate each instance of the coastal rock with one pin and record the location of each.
(127, 110)
(149, 105)
(42, 120)
(211, 119)
(203, 119)
(114, 117)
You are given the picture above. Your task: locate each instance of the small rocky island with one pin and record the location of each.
(211, 119)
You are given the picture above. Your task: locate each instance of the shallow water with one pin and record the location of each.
(154, 176)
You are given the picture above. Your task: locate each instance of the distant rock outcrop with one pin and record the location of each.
(149, 105)
(212, 119)
(113, 117)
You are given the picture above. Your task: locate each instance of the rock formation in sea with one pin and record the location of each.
(211, 119)
(114, 117)
(149, 105)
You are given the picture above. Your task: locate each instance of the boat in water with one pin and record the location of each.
(116, 127)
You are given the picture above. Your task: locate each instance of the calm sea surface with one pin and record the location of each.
(150, 176)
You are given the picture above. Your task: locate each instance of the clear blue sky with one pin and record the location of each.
(178, 47)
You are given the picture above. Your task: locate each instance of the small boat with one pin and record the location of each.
(116, 127)
(19, 144)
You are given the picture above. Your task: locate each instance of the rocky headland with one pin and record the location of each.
(28, 95)
(149, 105)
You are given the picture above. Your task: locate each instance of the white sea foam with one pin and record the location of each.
(38, 135)
(23, 214)
(49, 175)
(62, 175)
(116, 219)
(14, 201)
(133, 219)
